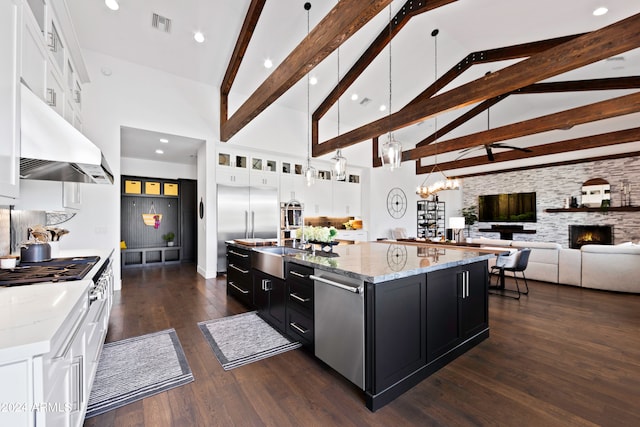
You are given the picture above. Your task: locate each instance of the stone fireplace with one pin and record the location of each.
(590, 235)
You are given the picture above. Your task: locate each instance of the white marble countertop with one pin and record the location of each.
(30, 315)
(377, 262)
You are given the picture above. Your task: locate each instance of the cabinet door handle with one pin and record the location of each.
(295, 273)
(51, 97)
(298, 328)
(238, 269)
(244, 291)
(76, 328)
(239, 254)
(298, 298)
(466, 273)
(266, 285)
(53, 43)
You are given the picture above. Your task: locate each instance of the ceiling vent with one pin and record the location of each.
(615, 58)
(161, 23)
(365, 101)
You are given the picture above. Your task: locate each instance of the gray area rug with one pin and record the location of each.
(244, 338)
(138, 367)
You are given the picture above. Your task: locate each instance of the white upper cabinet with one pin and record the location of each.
(10, 46)
(346, 199)
(34, 55)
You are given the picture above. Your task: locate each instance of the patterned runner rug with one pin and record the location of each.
(138, 367)
(244, 338)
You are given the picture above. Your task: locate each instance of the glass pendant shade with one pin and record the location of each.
(310, 174)
(391, 153)
(339, 170)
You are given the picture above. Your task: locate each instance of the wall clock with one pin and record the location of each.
(396, 203)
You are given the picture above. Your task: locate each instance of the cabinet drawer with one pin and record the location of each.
(239, 257)
(299, 327)
(299, 272)
(301, 296)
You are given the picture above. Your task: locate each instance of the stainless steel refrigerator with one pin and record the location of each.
(245, 212)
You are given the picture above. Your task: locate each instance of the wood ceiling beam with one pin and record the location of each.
(410, 9)
(614, 39)
(615, 107)
(559, 147)
(346, 18)
(487, 56)
(632, 82)
(246, 32)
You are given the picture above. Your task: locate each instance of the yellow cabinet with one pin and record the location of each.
(132, 187)
(170, 189)
(152, 188)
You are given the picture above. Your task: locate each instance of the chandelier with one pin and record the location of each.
(442, 182)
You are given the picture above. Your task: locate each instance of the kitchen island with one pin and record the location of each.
(385, 315)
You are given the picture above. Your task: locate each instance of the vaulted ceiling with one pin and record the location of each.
(489, 87)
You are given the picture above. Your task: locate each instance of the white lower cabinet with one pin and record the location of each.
(53, 389)
(355, 235)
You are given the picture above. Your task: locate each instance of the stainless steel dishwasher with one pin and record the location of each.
(339, 324)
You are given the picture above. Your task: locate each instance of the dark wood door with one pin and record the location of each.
(474, 307)
(397, 314)
(442, 311)
(270, 298)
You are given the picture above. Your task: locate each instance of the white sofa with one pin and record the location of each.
(614, 268)
(607, 267)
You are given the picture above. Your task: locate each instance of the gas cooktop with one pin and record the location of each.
(55, 270)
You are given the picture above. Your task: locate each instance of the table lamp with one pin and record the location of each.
(456, 223)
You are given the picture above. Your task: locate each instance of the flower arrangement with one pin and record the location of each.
(317, 234)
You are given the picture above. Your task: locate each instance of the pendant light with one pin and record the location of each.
(339, 170)
(310, 173)
(442, 181)
(391, 151)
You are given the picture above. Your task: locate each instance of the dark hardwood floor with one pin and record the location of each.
(562, 356)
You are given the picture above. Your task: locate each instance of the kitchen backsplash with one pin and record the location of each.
(20, 223)
(5, 230)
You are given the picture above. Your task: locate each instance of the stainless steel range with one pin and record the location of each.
(55, 270)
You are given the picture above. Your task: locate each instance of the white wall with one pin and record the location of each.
(143, 98)
(155, 169)
(383, 180)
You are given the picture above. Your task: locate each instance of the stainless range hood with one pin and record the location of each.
(53, 150)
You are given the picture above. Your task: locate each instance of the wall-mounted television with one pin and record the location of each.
(513, 207)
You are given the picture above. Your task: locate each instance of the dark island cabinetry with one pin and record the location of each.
(457, 306)
(418, 324)
(239, 276)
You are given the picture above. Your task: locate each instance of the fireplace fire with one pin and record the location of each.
(590, 235)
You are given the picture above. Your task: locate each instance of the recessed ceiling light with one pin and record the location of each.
(164, 140)
(354, 97)
(268, 63)
(159, 151)
(106, 71)
(313, 80)
(600, 11)
(383, 107)
(112, 4)
(198, 36)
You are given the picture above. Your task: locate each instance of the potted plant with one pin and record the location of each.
(470, 216)
(169, 237)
